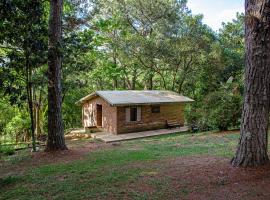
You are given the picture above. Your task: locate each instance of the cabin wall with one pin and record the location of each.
(109, 122)
(149, 120)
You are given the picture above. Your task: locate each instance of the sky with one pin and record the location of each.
(216, 11)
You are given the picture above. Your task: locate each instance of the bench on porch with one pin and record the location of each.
(172, 123)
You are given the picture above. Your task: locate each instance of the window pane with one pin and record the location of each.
(133, 114)
(155, 109)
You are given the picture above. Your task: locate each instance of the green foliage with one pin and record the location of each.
(18, 127)
(25, 46)
(7, 113)
(7, 149)
(224, 110)
(220, 109)
(129, 44)
(219, 88)
(14, 123)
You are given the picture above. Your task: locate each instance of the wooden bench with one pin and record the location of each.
(172, 123)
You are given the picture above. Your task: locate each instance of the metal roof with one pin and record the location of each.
(137, 97)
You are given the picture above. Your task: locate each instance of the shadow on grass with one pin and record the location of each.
(10, 180)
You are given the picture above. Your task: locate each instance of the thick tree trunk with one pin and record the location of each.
(252, 147)
(56, 140)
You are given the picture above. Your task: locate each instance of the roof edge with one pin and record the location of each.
(91, 96)
(86, 98)
(98, 94)
(102, 96)
(156, 103)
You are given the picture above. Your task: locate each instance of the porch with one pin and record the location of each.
(106, 137)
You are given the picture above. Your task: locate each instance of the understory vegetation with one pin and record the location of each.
(118, 45)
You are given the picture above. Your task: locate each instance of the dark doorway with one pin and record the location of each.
(99, 115)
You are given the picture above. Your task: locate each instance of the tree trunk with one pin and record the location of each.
(252, 147)
(38, 126)
(38, 111)
(115, 83)
(150, 81)
(115, 79)
(133, 82)
(29, 89)
(124, 82)
(180, 86)
(56, 139)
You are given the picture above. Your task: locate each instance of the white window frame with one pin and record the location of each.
(139, 113)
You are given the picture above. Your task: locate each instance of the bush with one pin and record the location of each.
(224, 110)
(7, 149)
(218, 110)
(17, 128)
(195, 116)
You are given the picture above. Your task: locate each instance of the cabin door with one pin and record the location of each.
(99, 115)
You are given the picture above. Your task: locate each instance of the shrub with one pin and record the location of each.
(17, 127)
(7, 149)
(224, 110)
(220, 110)
(195, 117)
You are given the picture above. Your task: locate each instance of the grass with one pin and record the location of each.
(106, 173)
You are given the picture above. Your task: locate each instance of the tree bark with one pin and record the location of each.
(38, 111)
(115, 83)
(56, 140)
(150, 81)
(29, 89)
(252, 147)
(134, 79)
(37, 121)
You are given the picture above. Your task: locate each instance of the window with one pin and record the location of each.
(133, 114)
(155, 109)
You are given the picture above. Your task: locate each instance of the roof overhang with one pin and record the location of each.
(149, 104)
(87, 98)
(99, 94)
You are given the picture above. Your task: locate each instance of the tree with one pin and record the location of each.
(252, 147)
(120, 44)
(232, 38)
(23, 50)
(56, 140)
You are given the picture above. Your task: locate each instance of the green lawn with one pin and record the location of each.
(113, 172)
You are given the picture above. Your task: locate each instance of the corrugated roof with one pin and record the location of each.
(137, 97)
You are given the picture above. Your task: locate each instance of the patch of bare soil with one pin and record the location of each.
(228, 132)
(204, 178)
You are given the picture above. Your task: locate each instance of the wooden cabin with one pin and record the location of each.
(128, 111)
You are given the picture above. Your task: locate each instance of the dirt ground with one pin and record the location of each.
(205, 178)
